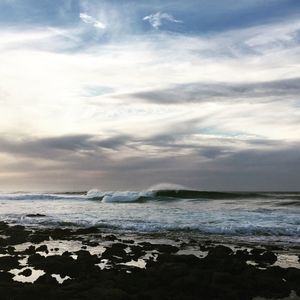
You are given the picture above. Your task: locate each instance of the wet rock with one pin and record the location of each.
(42, 248)
(91, 244)
(220, 251)
(35, 215)
(114, 251)
(3, 226)
(136, 252)
(88, 230)
(269, 257)
(38, 238)
(270, 286)
(159, 247)
(203, 248)
(167, 249)
(54, 264)
(26, 272)
(192, 242)
(10, 250)
(67, 253)
(105, 294)
(128, 241)
(3, 250)
(256, 252)
(86, 258)
(30, 250)
(264, 257)
(9, 262)
(6, 277)
(146, 245)
(243, 254)
(110, 237)
(17, 235)
(46, 279)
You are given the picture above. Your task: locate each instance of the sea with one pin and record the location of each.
(259, 217)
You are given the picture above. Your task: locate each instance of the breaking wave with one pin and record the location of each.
(40, 196)
(163, 193)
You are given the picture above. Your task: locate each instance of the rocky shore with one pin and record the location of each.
(85, 263)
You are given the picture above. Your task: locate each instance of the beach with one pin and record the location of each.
(44, 257)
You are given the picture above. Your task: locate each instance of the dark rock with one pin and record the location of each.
(136, 252)
(26, 272)
(263, 257)
(38, 238)
(67, 253)
(35, 215)
(203, 248)
(10, 250)
(105, 294)
(159, 247)
(243, 254)
(167, 249)
(86, 258)
(88, 230)
(59, 233)
(30, 250)
(42, 248)
(257, 251)
(110, 237)
(220, 251)
(46, 279)
(17, 235)
(128, 241)
(53, 264)
(91, 244)
(269, 257)
(6, 277)
(3, 226)
(114, 251)
(9, 262)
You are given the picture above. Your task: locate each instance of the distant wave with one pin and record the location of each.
(167, 194)
(129, 196)
(160, 192)
(39, 196)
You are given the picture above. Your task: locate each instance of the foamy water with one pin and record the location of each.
(251, 216)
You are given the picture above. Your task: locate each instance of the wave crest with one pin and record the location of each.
(127, 196)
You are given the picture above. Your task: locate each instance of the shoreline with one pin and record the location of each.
(90, 263)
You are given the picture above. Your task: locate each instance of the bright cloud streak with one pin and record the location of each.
(156, 20)
(90, 20)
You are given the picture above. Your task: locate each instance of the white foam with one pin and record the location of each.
(95, 193)
(31, 196)
(131, 196)
(126, 196)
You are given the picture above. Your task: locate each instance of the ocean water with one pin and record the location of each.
(262, 217)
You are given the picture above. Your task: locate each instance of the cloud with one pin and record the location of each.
(101, 114)
(60, 147)
(91, 20)
(156, 20)
(210, 92)
(82, 162)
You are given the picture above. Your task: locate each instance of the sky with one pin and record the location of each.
(125, 94)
